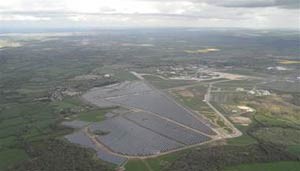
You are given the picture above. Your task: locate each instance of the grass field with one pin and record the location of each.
(124, 76)
(136, 165)
(165, 84)
(245, 139)
(273, 166)
(232, 85)
(94, 115)
(158, 163)
(71, 103)
(153, 164)
(294, 149)
(11, 156)
(115, 72)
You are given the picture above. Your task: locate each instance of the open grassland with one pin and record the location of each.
(114, 71)
(243, 140)
(233, 84)
(136, 165)
(93, 115)
(154, 164)
(272, 166)
(165, 84)
(68, 106)
(163, 162)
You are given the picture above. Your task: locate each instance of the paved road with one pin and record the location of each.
(207, 99)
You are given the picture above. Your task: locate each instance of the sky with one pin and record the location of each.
(151, 13)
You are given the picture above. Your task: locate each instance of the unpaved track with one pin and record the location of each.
(207, 97)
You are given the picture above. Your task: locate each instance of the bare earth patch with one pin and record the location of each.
(185, 93)
(241, 120)
(246, 108)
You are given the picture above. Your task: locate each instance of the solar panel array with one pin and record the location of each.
(82, 139)
(161, 105)
(160, 125)
(166, 128)
(140, 95)
(126, 137)
(121, 89)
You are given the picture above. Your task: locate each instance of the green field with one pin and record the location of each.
(11, 156)
(165, 84)
(94, 115)
(153, 164)
(233, 84)
(243, 140)
(161, 162)
(294, 149)
(272, 166)
(136, 165)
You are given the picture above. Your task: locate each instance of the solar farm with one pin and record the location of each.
(152, 124)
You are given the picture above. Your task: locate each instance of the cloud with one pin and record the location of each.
(23, 18)
(167, 13)
(287, 4)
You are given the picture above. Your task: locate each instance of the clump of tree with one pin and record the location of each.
(218, 157)
(58, 155)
